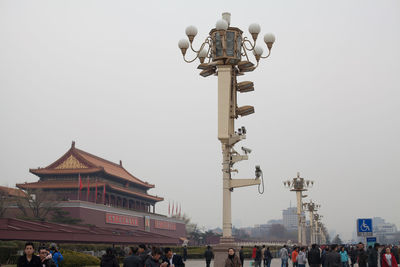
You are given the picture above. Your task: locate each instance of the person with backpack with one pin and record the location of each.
(267, 257)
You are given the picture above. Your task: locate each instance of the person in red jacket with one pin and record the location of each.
(388, 259)
(253, 255)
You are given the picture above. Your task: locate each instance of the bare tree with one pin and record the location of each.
(37, 204)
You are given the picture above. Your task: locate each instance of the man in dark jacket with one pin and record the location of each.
(333, 258)
(362, 256)
(133, 260)
(258, 258)
(241, 255)
(172, 259)
(395, 252)
(314, 256)
(208, 255)
(45, 258)
(154, 259)
(373, 256)
(28, 259)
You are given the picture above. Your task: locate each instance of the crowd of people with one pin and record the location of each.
(340, 256)
(148, 256)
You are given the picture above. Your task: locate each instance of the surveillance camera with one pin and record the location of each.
(258, 172)
(246, 150)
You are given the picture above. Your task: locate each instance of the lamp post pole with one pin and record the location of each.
(224, 53)
(312, 207)
(298, 185)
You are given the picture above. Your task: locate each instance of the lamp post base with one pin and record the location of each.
(221, 250)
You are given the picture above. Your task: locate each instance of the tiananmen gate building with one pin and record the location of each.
(103, 194)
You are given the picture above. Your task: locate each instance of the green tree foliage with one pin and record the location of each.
(337, 240)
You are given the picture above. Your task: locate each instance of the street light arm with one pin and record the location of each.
(198, 52)
(246, 40)
(207, 41)
(269, 53)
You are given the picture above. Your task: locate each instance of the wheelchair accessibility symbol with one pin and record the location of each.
(364, 226)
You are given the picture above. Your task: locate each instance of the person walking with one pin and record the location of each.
(324, 254)
(109, 259)
(185, 253)
(284, 255)
(395, 252)
(314, 256)
(344, 257)
(333, 258)
(388, 259)
(241, 255)
(362, 256)
(208, 255)
(295, 253)
(258, 258)
(28, 259)
(232, 260)
(353, 256)
(262, 255)
(302, 258)
(373, 256)
(267, 257)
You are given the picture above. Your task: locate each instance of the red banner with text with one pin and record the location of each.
(122, 219)
(164, 225)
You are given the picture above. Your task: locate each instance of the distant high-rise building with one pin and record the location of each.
(289, 217)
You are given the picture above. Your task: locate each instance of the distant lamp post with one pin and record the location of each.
(312, 207)
(298, 185)
(318, 230)
(226, 53)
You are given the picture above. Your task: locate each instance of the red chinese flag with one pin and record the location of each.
(96, 193)
(88, 189)
(80, 183)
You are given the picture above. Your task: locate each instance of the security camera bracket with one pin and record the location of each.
(237, 158)
(236, 138)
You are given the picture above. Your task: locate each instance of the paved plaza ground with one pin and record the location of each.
(202, 263)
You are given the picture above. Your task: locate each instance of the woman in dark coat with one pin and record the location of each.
(232, 260)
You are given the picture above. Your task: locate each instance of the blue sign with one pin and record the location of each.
(364, 227)
(371, 241)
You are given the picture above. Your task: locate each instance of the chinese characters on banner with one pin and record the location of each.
(121, 219)
(164, 225)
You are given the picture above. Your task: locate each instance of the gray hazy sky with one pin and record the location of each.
(109, 75)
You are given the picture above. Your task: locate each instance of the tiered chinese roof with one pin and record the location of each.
(78, 162)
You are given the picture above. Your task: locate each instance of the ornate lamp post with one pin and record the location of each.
(318, 230)
(299, 185)
(225, 54)
(311, 207)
